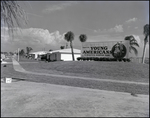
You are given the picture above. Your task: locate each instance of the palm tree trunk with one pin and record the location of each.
(72, 50)
(144, 50)
(81, 48)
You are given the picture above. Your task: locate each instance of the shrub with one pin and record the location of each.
(104, 59)
(79, 58)
(120, 59)
(87, 58)
(128, 60)
(84, 58)
(100, 59)
(90, 58)
(124, 60)
(108, 59)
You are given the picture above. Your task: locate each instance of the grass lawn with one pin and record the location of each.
(104, 70)
(8, 71)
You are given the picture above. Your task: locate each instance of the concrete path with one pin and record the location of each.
(18, 68)
(30, 99)
(4, 62)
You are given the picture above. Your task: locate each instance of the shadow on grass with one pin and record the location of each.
(18, 79)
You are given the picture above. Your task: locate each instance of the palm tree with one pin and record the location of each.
(28, 50)
(132, 43)
(146, 33)
(12, 15)
(83, 37)
(21, 52)
(69, 37)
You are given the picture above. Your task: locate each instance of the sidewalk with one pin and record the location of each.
(29, 99)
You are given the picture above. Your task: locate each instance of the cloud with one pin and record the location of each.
(129, 27)
(116, 29)
(59, 6)
(34, 36)
(131, 20)
(99, 38)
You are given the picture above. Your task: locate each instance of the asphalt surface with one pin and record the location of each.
(30, 99)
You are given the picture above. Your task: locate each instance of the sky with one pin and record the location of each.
(48, 21)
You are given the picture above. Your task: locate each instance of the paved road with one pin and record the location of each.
(18, 68)
(30, 99)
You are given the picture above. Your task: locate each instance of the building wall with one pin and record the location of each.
(62, 56)
(68, 57)
(54, 56)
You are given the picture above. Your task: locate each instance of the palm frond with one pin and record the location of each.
(12, 15)
(69, 36)
(135, 50)
(83, 37)
(146, 30)
(127, 38)
(134, 43)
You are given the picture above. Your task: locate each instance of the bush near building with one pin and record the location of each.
(101, 59)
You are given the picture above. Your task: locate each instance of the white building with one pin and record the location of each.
(63, 54)
(35, 54)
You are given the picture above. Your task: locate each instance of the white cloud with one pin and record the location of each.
(129, 27)
(59, 6)
(116, 29)
(131, 20)
(34, 36)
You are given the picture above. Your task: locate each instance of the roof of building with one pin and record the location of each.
(68, 50)
(39, 52)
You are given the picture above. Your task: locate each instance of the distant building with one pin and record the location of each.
(35, 55)
(63, 55)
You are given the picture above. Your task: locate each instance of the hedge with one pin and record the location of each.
(102, 59)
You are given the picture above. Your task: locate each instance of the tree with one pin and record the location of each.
(50, 50)
(132, 43)
(146, 33)
(11, 53)
(21, 52)
(62, 47)
(69, 37)
(83, 37)
(28, 50)
(12, 15)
